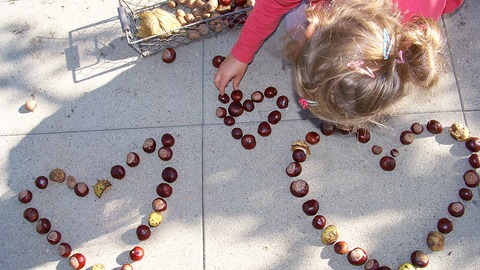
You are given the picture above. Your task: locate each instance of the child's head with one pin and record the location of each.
(342, 65)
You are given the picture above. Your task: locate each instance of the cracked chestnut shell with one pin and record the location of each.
(330, 235)
(169, 174)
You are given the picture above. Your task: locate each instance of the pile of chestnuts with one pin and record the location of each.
(435, 239)
(143, 232)
(236, 108)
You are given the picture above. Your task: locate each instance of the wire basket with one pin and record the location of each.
(203, 27)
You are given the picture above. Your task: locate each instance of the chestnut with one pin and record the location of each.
(407, 137)
(312, 137)
(236, 95)
(282, 102)
(133, 159)
(474, 161)
(270, 92)
(248, 105)
(169, 55)
(159, 205)
(64, 250)
(299, 188)
(117, 172)
(318, 222)
(465, 194)
(340, 247)
(237, 133)
(299, 155)
(445, 225)
(77, 261)
(310, 207)
(473, 144)
(235, 109)
(217, 60)
(357, 256)
(81, 189)
(416, 128)
(164, 190)
(257, 97)
(53, 237)
(149, 145)
(264, 129)
(394, 152)
(239, 3)
(221, 112)
(248, 141)
(168, 140)
(165, 153)
(71, 182)
(406, 266)
(41, 182)
(229, 120)
(169, 174)
(126, 267)
(456, 209)
(377, 149)
(327, 128)
(372, 264)
(330, 235)
(388, 163)
(294, 169)
(435, 241)
(434, 127)
(363, 135)
(25, 196)
(224, 98)
(136, 254)
(143, 232)
(43, 226)
(471, 178)
(30, 214)
(274, 117)
(57, 175)
(419, 259)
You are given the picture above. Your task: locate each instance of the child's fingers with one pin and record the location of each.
(219, 84)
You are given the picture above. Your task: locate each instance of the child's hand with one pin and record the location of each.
(230, 69)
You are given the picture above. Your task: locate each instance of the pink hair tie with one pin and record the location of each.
(401, 61)
(305, 103)
(359, 65)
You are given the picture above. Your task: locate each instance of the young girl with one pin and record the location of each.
(350, 58)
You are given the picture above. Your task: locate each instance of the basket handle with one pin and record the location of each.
(122, 15)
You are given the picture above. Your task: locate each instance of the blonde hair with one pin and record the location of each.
(353, 30)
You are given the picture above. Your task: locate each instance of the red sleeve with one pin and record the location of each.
(260, 24)
(428, 8)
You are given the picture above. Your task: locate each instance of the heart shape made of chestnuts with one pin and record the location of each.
(435, 239)
(164, 190)
(236, 108)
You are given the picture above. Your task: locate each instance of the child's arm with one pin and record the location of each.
(260, 24)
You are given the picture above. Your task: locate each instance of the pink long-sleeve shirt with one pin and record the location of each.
(267, 14)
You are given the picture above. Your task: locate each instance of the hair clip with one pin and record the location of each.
(359, 65)
(387, 43)
(401, 60)
(305, 103)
